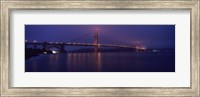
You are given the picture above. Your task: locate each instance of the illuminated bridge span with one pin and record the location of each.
(61, 45)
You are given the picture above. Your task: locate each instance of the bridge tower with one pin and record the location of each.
(62, 49)
(96, 41)
(45, 45)
(35, 46)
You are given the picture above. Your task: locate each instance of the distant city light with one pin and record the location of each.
(155, 51)
(137, 47)
(143, 48)
(26, 40)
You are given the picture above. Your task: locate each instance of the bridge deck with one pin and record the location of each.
(79, 44)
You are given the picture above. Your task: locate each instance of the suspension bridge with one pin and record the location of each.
(95, 44)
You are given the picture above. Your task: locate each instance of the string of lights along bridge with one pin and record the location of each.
(95, 44)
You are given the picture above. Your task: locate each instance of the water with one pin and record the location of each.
(103, 62)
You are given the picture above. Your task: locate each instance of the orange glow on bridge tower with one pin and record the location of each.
(96, 41)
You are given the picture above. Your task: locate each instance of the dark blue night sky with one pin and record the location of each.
(149, 36)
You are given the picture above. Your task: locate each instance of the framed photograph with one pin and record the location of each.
(100, 48)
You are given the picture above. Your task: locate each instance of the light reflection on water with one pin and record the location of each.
(102, 62)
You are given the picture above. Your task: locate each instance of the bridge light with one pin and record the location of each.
(35, 41)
